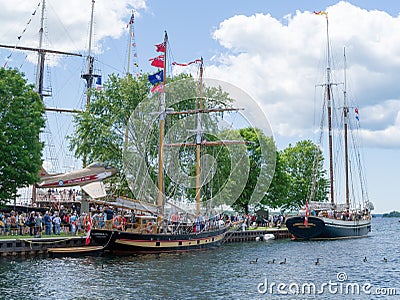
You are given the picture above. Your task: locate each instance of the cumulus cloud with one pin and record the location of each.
(66, 22)
(279, 64)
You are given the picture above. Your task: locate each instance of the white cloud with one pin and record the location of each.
(67, 22)
(280, 64)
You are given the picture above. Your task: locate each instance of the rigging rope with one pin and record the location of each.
(19, 37)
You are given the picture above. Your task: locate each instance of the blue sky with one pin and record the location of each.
(270, 49)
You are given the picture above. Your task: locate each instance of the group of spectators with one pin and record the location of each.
(36, 223)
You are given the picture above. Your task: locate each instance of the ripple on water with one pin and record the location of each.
(221, 273)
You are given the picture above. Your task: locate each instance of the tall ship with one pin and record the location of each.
(161, 222)
(334, 220)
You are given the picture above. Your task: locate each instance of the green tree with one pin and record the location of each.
(100, 129)
(261, 152)
(21, 121)
(303, 164)
(278, 191)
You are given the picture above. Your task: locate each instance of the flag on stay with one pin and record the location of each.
(306, 217)
(189, 63)
(160, 47)
(88, 228)
(157, 77)
(356, 111)
(131, 21)
(98, 83)
(159, 88)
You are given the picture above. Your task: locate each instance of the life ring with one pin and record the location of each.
(119, 222)
(149, 227)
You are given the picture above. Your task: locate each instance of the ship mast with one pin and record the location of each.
(131, 35)
(88, 77)
(198, 141)
(328, 87)
(160, 199)
(41, 57)
(345, 121)
(40, 70)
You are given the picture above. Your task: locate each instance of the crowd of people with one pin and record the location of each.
(71, 221)
(36, 223)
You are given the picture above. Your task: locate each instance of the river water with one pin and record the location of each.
(223, 273)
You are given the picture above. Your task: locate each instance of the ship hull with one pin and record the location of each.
(325, 228)
(127, 243)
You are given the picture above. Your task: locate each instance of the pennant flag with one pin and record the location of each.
(320, 13)
(157, 77)
(306, 217)
(189, 63)
(159, 88)
(131, 21)
(98, 83)
(160, 47)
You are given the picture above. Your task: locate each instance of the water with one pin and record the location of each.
(223, 273)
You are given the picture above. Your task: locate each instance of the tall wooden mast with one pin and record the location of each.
(198, 142)
(346, 147)
(39, 84)
(328, 87)
(89, 76)
(160, 198)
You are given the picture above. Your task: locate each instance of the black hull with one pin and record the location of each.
(127, 243)
(325, 228)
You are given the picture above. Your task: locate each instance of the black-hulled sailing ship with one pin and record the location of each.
(332, 220)
(152, 231)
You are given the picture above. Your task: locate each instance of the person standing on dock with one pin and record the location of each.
(47, 223)
(57, 224)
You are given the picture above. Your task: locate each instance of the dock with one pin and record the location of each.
(35, 246)
(251, 235)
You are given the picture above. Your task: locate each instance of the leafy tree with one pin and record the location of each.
(21, 120)
(303, 163)
(261, 152)
(278, 191)
(100, 129)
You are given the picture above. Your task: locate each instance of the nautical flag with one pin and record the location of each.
(189, 63)
(131, 21)
(306, 217)
(159, 88)
(159, 63)
(356, 111)
(98, 83)
(321, 13)
(160, 47)
(157, 77)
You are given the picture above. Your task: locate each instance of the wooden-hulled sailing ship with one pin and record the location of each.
(333, 220)
(154, 232)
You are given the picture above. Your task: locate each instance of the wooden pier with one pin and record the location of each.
(251, 235)
(30, 246)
